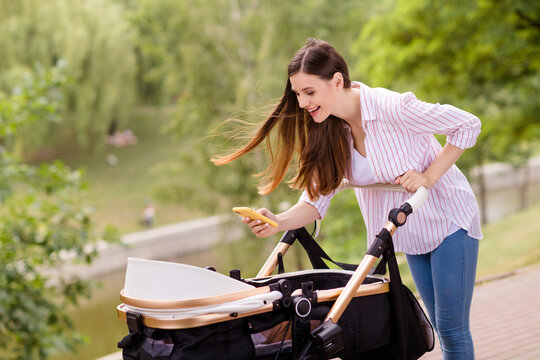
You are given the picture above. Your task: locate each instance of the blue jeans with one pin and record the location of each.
(445, 280)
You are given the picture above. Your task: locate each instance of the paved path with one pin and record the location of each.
(505, 318)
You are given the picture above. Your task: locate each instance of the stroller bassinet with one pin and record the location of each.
(311, 314)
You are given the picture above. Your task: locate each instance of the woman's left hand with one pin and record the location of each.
(412, 180)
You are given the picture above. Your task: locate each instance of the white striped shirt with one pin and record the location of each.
(399, 137)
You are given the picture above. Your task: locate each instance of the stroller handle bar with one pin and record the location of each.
(397, 217)
(418, 199)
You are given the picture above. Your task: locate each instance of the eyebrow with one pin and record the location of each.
(304, 89)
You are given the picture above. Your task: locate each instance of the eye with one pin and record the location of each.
(310, 92)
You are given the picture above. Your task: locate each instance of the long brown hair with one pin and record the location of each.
(323, 148)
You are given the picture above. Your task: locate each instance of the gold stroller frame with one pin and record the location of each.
(213, 318)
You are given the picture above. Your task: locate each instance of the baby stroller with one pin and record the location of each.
(353, 313)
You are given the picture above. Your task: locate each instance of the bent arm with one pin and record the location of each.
(297, 216)
(462, 130)
(444, 161)
(301, 214)
(422, 118)
(412, 179)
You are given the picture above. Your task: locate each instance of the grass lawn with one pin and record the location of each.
(119, 192)
(510, 243)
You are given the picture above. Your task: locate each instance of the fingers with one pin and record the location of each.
(266, 212)
(263, 230)
(260, 228)
(408, 183)
(412, 180)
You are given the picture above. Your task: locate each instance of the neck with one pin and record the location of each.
(348, 107)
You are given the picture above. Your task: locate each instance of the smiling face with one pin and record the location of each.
(314, 94)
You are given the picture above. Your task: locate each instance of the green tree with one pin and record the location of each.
(41, 222)
(161, 28)
(94, 40)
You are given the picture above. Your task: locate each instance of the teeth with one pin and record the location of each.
(312, 110)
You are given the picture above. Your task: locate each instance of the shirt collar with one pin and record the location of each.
(367, 105)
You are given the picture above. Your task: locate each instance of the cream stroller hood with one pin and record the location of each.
(161, 280)
(179, 288)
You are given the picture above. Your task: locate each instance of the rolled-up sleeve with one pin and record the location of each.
(460, 127)
(322, 203)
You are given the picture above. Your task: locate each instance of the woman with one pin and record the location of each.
(343, 130)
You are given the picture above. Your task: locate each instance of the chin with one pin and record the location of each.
(320, 120)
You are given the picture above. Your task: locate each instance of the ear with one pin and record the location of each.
(337, 80)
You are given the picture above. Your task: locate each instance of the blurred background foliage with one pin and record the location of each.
(94, 41)
(173, 71)
(214, 60)
(42, 223)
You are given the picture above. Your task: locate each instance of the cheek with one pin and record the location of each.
(329, 94)
(327, 103)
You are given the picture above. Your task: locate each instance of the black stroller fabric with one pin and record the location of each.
(229, 340)
(365, 322)
(411, 329)
(391, 325)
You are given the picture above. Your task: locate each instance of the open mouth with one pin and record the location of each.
(314, 110)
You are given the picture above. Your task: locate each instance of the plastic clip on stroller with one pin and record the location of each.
(252, 318)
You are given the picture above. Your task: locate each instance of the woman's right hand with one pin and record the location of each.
(259, 228)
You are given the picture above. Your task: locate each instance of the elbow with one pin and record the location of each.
(465, 137)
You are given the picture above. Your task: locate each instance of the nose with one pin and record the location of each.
(302, 102)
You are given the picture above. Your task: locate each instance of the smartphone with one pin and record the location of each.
(252, 214)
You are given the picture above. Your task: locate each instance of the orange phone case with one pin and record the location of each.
(252, 214)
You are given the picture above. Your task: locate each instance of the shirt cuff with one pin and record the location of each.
(466, 136)
(321, 204)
